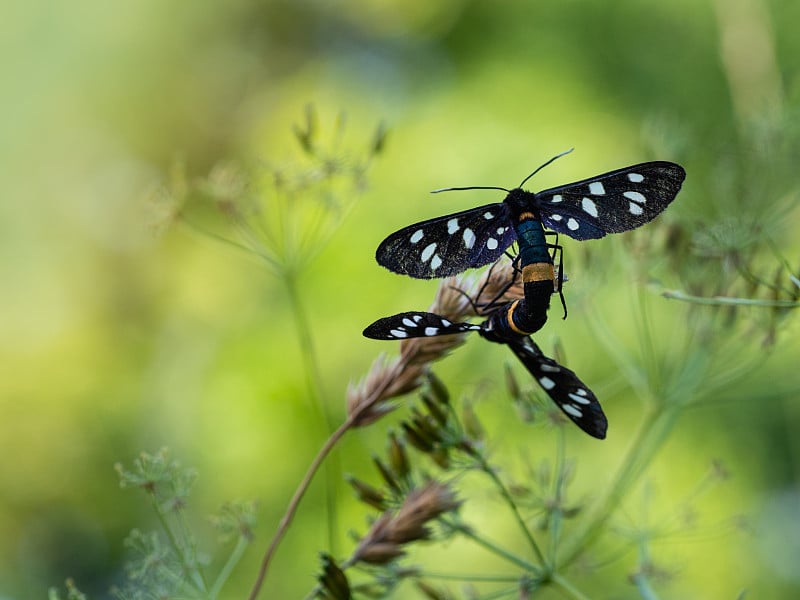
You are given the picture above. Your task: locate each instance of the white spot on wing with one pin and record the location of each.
(431, 330)
(469, 238)
(581, 392)
(596, 188)
(428, 252)
(398, 333)
(417, 318)
(556, 198)
(436, 262)
(589, 206)
(572, 224)
(408, 322)
(634, 208)
(452, 226)
(571, 409)
(547, 383)
(635, 196)
(446, 323)
(635, 177)
(488, 216)
(556, 217)
(491, 243)
(579, 399)
(501, 230)
(550, 369)
(416, 237)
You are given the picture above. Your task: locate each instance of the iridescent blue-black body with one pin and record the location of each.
(513, 323)
(529, 314)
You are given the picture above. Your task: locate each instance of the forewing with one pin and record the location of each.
(414, 325)
(611, 203)
(569, 393)
(448, 245)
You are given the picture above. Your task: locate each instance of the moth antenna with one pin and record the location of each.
(474, 187)
(544, 165)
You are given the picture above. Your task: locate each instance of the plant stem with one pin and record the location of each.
(508, 592)
(566, 586)
(648, 440)
(306, 340)
(314, 385)
(468, 577)
(227, 569)
(495, 549)
(295, 501)
(189, 565)
(486, 467)
(728, 300)
(643, 587)
(191, 548)
(558, 496)
(334, 438)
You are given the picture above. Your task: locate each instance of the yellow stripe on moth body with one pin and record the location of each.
(538, 272)
(510, 318)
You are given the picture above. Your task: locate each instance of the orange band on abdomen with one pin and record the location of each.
(538, 272)
(510, 318)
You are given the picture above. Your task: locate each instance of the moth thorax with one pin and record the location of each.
(521, 202)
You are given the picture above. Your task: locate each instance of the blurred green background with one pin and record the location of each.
(117, 338)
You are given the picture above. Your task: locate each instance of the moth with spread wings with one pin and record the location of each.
(589, 209)
(512, 323)
(569, 393)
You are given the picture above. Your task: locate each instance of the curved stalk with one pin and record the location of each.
(648, 441)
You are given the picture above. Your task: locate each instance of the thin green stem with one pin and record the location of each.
(469, 577)
(375, 395)
(567, 587)
(558, 495)
(645, 329)
(314, 385)
(191, 549)
(495, 549)
(486, 468)
(513, 592)
(180, 550)
(728, 300)
(643, 586)
(227, 569)
(313, 593)
(309, 355)
(648, 440)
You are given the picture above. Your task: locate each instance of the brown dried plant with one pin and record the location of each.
(387, 537)
(392, 530)
(457, 298)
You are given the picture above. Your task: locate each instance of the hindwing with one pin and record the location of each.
(414, 325)
(569, 393)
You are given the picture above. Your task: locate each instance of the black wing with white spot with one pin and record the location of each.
(611, 203)
(414, 325)
(449, 245)
(562, 385)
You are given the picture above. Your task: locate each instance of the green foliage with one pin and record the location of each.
(111, 336)
(540, 503)
(168, 563)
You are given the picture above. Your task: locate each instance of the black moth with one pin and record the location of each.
(569, 393)
(589, 209)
